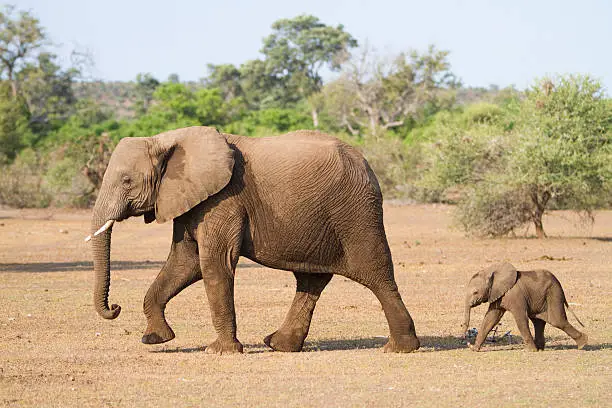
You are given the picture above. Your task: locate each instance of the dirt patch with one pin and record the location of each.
(55, 350)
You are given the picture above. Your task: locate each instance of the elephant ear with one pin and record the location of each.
(195, 163)
(503, 277)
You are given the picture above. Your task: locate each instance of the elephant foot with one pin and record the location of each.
(402, 344)
(582, 341)
(473, 347)
(153, 336)
(224, 347)
(531, 348)
(279, 341)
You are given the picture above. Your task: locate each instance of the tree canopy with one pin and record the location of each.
(551, 147)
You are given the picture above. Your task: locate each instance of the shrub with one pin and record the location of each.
(22, 184)
(270, 122)
(394, 164)
(68, 185)
(489, 211)
(462, 153)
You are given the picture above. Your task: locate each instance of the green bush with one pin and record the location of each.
(270, 122)
(508, 165)
(22, 184)
(14, 131)
(463, 151)
(394, 163)
(68, 185)
(482, 114)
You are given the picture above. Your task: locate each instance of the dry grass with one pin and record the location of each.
(55, 351)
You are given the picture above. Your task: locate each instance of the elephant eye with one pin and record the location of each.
(126, 180)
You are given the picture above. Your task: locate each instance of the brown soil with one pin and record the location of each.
(55, 350)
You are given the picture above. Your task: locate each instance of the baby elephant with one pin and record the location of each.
(536, 295)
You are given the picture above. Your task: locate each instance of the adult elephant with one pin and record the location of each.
(303, 202)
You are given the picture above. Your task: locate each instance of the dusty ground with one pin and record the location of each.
(55, 351)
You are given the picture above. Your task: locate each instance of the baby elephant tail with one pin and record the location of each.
(573, 314)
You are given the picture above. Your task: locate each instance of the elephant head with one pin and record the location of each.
(488, 285)
(160, 177)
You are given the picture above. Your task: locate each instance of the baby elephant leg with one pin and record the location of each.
(558, 319)
(538, 325)
(520, 317)
(491, 318)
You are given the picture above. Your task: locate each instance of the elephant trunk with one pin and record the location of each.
(101, 255)
(466, 319)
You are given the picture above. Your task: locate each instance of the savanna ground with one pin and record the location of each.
(55, 350)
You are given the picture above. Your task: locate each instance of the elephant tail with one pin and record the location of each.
(573, 314)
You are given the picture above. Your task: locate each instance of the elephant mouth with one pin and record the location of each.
(139, 212)
(109, 223)
(479, 302)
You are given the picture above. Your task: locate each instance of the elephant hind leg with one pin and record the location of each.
(368, 262)
(402, 334)
(558, 318)
(180, 270)
(580, 338)
(402, 337)
(292, 333)
(538, 325)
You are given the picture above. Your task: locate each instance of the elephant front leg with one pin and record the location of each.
(292, 333)
(180, 270)
(219, 283)
(491, 318)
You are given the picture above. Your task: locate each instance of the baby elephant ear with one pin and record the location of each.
(196, 163)
(503, 277)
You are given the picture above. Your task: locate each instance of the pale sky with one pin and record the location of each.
(499, 42)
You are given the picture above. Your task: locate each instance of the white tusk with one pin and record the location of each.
(103, 228)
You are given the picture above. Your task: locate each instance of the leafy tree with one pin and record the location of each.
(146, 85)
(47, 92)
(89, 118)
(262, 89)
(20, 36)
(564, 145)
(465, 146)
(174, 78)
(269, 121)
(300, 48)
(172, 106)
(226, 78)
(175, 98)
(211, 109)
(176, 105)
(339, 103)
(507, 165)
(14, 121)
(382, 93)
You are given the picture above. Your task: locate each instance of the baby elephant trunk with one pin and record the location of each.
(466, 319)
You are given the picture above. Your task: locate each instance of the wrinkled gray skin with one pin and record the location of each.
(534, 295)
(302, 202)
